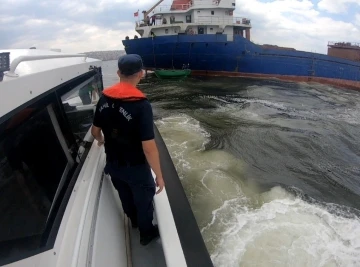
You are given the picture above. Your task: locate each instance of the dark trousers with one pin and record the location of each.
(136, 188)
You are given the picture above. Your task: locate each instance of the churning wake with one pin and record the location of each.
(243, 225)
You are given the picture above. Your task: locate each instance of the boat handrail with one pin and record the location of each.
(220, 20)
(235, 21)
(18, 60)
(344, 44)
(185, 6)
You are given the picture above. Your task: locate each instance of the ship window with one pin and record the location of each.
(32, 164)
(212, 12)
(166, 31)
(79, 105)
(211, 29)
(198, 11)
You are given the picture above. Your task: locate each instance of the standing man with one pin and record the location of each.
(125, 117)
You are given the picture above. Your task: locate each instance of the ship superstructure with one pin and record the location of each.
(193, 17)
(206, 36)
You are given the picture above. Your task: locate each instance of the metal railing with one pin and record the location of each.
(221, 21)
(194, 31)
(214, 2)
(193, 3)
(167, 8)
(240, 20)
(211, 20)
(344, 44)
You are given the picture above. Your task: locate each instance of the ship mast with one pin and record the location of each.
(152, 8)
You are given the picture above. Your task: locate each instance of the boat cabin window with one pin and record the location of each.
(212, 12)
(79, 105)
(32, 165)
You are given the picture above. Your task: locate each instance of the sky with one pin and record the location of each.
(91, 25)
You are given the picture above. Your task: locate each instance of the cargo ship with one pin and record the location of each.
(206, 36)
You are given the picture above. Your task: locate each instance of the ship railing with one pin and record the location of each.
(178, 7)
(193, 31)
(240, 20)
(167, 8)
(222, 21)
(213, 3)
(344, 44)
(205, 2)
(211, 20)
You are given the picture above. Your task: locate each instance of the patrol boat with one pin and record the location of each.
(208, 36)
(57, 206)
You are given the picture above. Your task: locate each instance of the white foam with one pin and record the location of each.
(182, 135)
(286, 231)
(267, 103)
(259, 109)
(215, 98)
(244, 228)
(349, 115)
(208, 176)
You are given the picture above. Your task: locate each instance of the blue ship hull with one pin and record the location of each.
(214, 54)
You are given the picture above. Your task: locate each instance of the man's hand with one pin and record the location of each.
(96, 132)
(159, 183)
(100, 143)
(152, 156)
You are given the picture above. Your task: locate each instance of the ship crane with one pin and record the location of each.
(146, 13)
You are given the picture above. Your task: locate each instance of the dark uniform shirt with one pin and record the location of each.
(125, 124)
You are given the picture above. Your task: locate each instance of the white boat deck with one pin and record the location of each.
(150, 255)
(115, 239)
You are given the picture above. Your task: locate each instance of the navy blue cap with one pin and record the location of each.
(130, 64)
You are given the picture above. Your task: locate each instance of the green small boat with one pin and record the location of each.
(172, 73)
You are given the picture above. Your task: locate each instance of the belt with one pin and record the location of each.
(125, 163)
